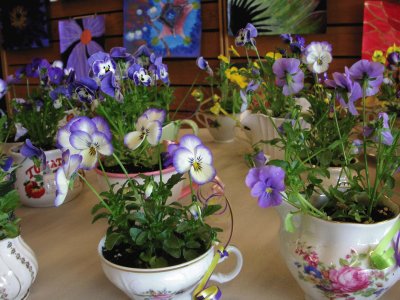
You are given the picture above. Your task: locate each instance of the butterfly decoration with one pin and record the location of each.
(79, 39)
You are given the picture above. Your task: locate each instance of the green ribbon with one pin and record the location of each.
(383, 257)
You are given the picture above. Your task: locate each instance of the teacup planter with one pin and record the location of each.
(175, 282)
(171, 130)
(18, 268)
(221, 127)
(35, 187)
(178, 191)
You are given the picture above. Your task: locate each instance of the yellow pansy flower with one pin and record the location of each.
(274, 55)
(233, 51)
(378, 57)
(391, 49)
(229, 72)
(223, 58)
(233, 75)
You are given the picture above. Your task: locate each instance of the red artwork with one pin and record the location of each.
(381, 27)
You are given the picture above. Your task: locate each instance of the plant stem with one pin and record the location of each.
(184, 98)
(95, 192)
(364, 88)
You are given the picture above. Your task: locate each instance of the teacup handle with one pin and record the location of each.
(202, 119)
(222, 278)
(192, 124)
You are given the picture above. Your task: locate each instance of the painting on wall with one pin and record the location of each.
(171, 28)
(25, 24)
(381, 28)
(272, 17)
(79, 39)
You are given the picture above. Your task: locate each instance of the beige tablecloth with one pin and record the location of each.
(65, 243)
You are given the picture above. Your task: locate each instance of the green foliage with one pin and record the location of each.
(156, 232)
(9, 224)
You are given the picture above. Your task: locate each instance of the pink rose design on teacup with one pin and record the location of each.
(349, 279)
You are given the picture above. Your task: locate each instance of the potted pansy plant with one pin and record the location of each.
(339, 240)
(275, 83)
(153, 247)
(37, 118)
(220, 111)
(121, 89)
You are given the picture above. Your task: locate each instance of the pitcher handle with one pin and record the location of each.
(222, 278)
(202, 119)
(192, 124)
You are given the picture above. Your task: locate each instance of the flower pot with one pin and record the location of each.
(176, 282)
(178, 191)
(221, 127)
(330, 260)
(18, 268)
(36, 188)
(171, 130)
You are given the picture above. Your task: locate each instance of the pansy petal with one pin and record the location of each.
(83, 124)
(73, 165)
(182, 160)
(89, 159)
(204, 154)
(133, 139)
(102, 126)
(190, 142)
(104, 145)
(80, 139)
(204, 175)
(154, 133)
(62, 187)
(63, 139)
(154, 114)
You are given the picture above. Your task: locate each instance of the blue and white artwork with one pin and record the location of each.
(170, 28)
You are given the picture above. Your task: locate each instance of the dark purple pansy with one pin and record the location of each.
(393, 60)
(368, 73)
(6, 164)
(109, 86)
(246, 36)
(119, 53)
(286, 38)
(168, 157)
(59, 91)
(203, 65)
(101, 56)
(56, 75)
(85, 89)
(3, 88)
(32, 69)
(142, 56)
(288, 75)
(298, 44)
(36, 154)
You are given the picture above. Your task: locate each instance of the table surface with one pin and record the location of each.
(65, 242)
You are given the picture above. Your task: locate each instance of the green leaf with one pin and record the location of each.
(173, 252)
(289, 227)
(158, 262)
(99, 216)
(343, 262)
(173, 242)
(193, 244)
(141, 239)
(134, 232)
(190, 254)
(112, 239)
(211, 209)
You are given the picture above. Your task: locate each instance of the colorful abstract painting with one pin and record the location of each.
(276, 16)
(170, 28)
(381, 27)
(79, 39)
(25, 24)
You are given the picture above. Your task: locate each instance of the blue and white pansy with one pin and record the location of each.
(139, 75)
(65, 174)
(193, 157)
(148, 127)
(82, 136)
(102, 67)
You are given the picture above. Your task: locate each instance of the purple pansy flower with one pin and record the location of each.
(259, 159)
(387, 137)
(347, 90)
(82, 40)
(370, 73)
(102, 67)
(289, 75)
(286, 38)
(159, 69)
(59, 91)
(266, 183)
(393, 60)
(64, 174)
(82, 136)
(203, 65)
(193, 157)
(7, 164)
(168, 157)
(251, 87)
(36, 154)
(3, 88)
(20, 131)
(142, 56)
(98, 56)
(32, 69)
(119, 53)
(246, 36)
(110, 87)
(56, 75)
(85, 89)
(139, 75)
(298, 44)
